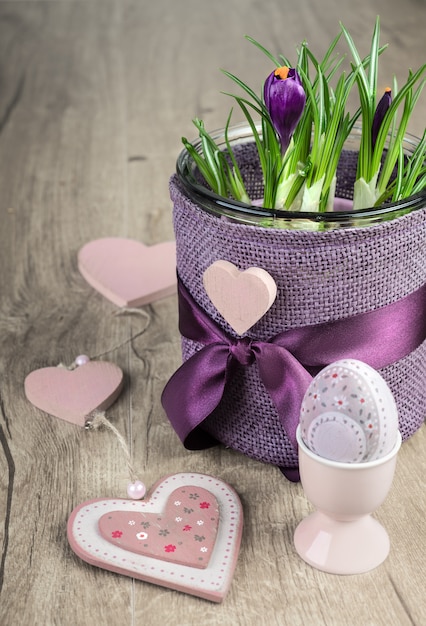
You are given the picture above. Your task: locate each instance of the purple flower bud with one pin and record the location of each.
(381, 109)
(285, 99)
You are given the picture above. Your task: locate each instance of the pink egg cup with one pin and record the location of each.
(341, 537)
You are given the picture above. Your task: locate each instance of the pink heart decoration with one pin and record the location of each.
(241, 297)
(184, 533)
(172, 538)
(72, 395)
(127, 272)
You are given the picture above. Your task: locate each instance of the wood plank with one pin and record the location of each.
(94, 98)
(63, 170)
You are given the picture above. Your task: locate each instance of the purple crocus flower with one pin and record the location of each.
(285, 99)
(381, 109)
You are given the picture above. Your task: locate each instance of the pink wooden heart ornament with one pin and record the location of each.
(241, 297)
(72, 395)
(184, 532)
(185, 536)
(127, 272)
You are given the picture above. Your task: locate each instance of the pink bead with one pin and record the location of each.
(136, 490)
(82, 359)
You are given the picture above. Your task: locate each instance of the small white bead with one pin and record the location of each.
(82, 359)
(136, 490)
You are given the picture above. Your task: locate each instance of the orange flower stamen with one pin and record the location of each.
(282, 72)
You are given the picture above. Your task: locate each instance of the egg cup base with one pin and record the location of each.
(341, 547)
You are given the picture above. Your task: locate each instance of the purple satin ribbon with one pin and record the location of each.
(286, 363)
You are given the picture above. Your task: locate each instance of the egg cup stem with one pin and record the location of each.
(341, 536)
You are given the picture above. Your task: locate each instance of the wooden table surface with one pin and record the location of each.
(94, 98)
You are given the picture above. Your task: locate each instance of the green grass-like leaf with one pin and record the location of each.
(321, 133)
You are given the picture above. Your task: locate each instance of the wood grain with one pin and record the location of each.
(94, 98)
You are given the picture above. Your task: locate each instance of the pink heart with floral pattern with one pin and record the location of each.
(185, 535)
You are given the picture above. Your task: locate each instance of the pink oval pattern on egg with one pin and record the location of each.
(349, 414)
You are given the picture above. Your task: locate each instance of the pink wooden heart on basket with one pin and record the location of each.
(72, 395)
(241, 297)
(185, 536)
(127, 272)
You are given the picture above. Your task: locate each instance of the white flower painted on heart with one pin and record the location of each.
(341, 402)
(141, 536)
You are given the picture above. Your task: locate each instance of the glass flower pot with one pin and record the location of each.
(241, 139)
(330, 269)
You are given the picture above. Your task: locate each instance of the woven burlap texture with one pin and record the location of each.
(320, 276)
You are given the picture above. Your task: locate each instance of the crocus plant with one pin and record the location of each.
(285, 100)
(304, 123)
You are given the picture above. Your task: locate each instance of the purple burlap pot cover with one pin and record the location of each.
(321, 277)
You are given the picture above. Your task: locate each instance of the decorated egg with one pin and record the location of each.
(349, 414)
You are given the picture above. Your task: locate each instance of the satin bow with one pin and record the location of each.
(286, 363)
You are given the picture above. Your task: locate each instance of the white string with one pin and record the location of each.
(128, 311)
(96, 421)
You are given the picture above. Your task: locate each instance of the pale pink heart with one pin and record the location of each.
(111, 533)
(241, 297)
(72, 395)
(127, 272)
